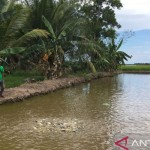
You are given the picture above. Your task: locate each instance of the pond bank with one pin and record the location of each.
(32, 89)
(134, 72)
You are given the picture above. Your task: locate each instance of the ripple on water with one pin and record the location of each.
(84, 117)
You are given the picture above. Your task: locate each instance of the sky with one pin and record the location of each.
(135, 17)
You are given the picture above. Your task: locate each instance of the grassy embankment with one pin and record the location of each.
(18, 77)
(135, 68)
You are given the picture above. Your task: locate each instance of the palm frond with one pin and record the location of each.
(59, 12)
(12, 51)
(120, 44)
(17, 22)
(49, 27)
(34, 34)
(8, 7)
(124, 54)
(70, 26)
(87, 47)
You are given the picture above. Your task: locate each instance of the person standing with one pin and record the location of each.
(1, 80)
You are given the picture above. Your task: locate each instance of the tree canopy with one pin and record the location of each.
(61, 34)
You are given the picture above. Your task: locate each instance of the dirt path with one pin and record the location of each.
(31, 89)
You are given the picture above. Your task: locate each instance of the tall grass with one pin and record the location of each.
(18, 77)
(135, 67)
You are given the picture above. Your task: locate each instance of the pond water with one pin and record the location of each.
(98, 110)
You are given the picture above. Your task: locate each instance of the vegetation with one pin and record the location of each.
(19, 77)
(135, 67)
(58, 37)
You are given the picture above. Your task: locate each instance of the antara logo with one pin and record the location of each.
(123, 140)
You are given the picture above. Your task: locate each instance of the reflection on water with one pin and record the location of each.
(105, 107)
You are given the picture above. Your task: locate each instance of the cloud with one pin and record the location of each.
(136, 6)
(134, 15)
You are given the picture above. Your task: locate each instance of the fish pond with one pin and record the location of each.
(83, 117)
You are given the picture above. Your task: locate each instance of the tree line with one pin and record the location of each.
(56, 36)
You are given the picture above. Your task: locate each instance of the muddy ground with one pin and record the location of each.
(31, 89)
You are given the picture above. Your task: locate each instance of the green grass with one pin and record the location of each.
(135, 67)
(18, 77)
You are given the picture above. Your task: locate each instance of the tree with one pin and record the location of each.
(63, 31)
(114, 56)
(101, 25)
(101, 18)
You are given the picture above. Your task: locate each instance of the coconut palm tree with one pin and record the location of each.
(60, 28)
(29, 24)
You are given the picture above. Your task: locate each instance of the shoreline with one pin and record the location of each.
(28, 90)
(134, 72)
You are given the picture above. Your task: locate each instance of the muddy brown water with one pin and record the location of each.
(102, 108)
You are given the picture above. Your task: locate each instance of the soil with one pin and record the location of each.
(31, 89)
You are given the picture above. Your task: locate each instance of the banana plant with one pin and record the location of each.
(58, 28)
(115, 56)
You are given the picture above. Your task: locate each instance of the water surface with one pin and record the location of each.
(107, 106)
